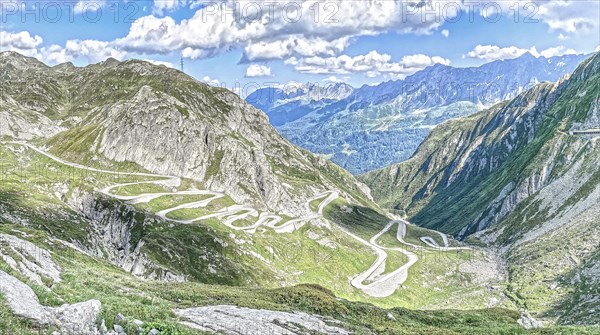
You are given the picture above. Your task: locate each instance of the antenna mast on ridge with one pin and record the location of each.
(181, 63)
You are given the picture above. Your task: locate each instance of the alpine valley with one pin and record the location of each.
(135, 199)
(356, 128)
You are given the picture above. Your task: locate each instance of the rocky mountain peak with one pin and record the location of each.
(167, 122)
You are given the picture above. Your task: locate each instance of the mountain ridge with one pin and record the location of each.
(196, 123)
(168, 202)
(515, 178)
(357, 131)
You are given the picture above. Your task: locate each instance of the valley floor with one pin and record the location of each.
(387, 262)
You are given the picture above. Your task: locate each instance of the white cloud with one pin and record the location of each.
(211, 81)
(494, 52)
(21, 42)
(158, 62)
(193, 53)
(212, 30)
(293, 45)
(55, 54)
(570, 16)
(372, 64)
(255, 70)
(94, 51)
(334, 79)
(273, 34)
(562, 15)
(557, 51)
(562, 37)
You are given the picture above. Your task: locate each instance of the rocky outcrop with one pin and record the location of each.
(528, 322)
(113, 223)
(26, 127)
(233, 320)
(29, 260)
(77, 318)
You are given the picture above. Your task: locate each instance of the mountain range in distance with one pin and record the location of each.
(370, 127)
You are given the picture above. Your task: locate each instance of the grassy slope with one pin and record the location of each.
(434, 282)
(430, 202)
(86, 278)
(96, 87)
(543, 277)
(90, 278)
(207, 252)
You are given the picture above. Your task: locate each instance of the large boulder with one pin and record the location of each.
(79, 318)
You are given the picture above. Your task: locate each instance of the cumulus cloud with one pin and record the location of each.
(372, 64)
(278, 30)
(28, 45)
(570, 16)
(211, 81)
(494, 52)
(94, 51)
(21, 42)
(293, 45)
(275, 30)
(158, 62)
(557, 51)
(267, 30)
(255, 70)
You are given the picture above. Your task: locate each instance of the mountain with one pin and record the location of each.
(358, 131)
(287, 103)
(136, 200)
(165, 122)
(521, 177)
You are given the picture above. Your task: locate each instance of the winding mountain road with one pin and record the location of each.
(229, 215)
(372, 282)
(382, 286)
(379, 285)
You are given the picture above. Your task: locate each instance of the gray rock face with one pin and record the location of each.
(20, 116)
(22, 300)
(168, 123)
(77, 318)
(528, 322)
(119, 330)
(232, 320)
(28, 259)
(234, 151)
(113, 226)
(26, 125)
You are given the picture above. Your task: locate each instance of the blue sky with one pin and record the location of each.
(234, 43)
